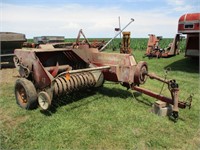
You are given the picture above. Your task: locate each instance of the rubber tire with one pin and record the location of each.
(26, 88)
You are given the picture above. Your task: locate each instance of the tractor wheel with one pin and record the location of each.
(25, 93)
(140, 73)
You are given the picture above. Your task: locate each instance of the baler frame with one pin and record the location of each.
(49, 73)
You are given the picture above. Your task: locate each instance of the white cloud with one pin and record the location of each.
(95, 22)
(71, 25)
(176, 2)
(183, 5)
(183, 8)
(136, 1)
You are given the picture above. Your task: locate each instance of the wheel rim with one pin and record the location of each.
(21, 95)
(44, 100)
(140, 73)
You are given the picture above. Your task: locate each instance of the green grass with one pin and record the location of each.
(109, 118)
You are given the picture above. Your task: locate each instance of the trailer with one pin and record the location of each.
(48, 39)
(9, 41)
(189, 24)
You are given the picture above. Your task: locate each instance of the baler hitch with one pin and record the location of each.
(174, 90)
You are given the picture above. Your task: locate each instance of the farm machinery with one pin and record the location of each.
(59, 42)
(9, 41)
(50, 73)
(154, 50)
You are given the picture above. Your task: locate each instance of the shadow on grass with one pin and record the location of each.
(190, 65)
(115, 92)
(145, 101)
(68, 99)
(79, 95)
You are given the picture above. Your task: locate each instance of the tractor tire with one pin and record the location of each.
(25, 93)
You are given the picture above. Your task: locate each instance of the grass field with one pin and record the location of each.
(108, 118)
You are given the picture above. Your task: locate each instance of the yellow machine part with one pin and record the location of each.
(125, 45)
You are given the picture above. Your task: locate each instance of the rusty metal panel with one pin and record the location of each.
(189, 23)
(122, 65)
(26, 57)
(41, 76)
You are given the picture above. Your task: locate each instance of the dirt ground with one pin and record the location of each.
(8, 75)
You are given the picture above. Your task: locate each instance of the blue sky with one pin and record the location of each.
(97, 18)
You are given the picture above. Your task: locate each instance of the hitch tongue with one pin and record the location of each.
(174, 90)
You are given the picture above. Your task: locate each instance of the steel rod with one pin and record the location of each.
(88, 69)
(84, 70)
(153, 76)
(6, 55)
(116, 35)
(158, 96)
(119, 27)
